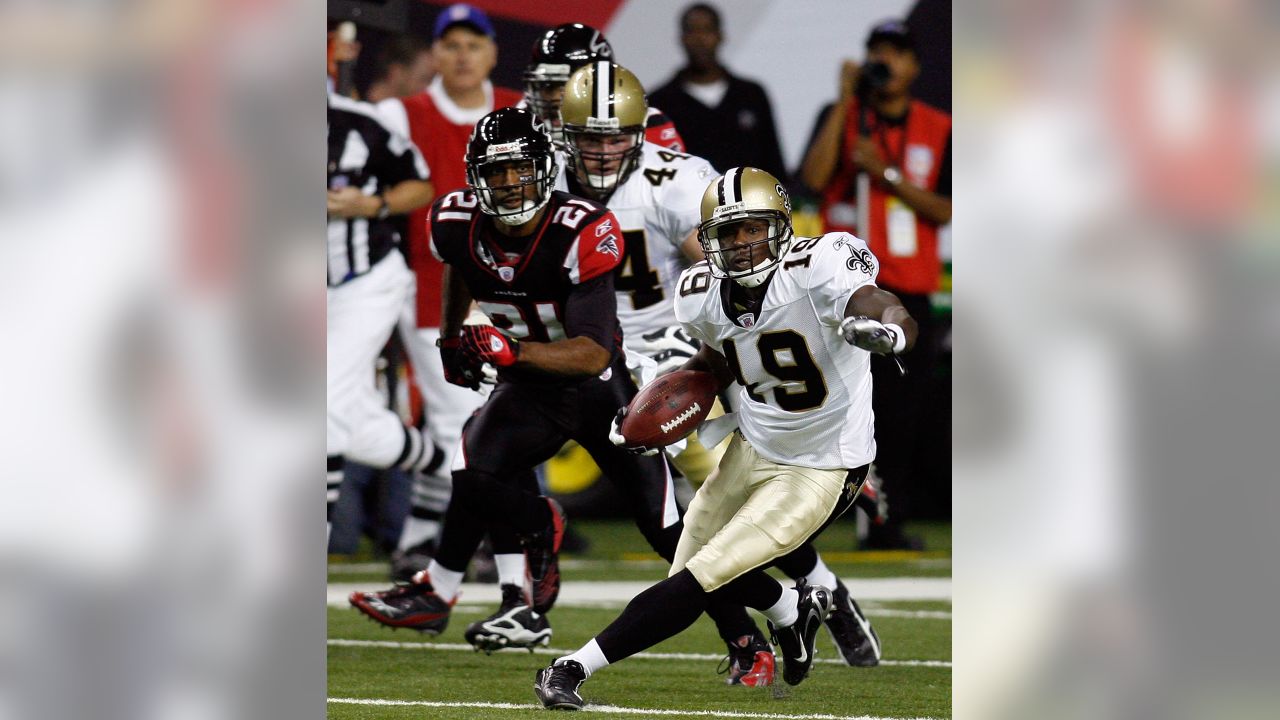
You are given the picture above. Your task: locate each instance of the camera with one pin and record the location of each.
(873, 76)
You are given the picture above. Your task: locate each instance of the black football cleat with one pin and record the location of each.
(796, 641)
(750, 661)
(514, 625)
(557, 685)
(542, 561)
(851, 630)
(414, 606)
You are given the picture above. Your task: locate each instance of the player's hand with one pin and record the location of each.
(458, 369)
(870, 335)
(615, 436)
(669, 347)
(484, 344)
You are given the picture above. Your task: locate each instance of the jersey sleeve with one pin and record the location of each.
(661, 131)
(681, 199)
(596, 250)
(450, 218)
(840, 264)
(695, 292)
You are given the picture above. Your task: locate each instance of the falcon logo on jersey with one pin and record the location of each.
(860, 259)
(604, 227)
(609, 246)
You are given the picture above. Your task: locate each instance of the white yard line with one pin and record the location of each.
(582, 593)
(558, 652)
(650, 712)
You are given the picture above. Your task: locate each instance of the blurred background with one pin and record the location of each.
(1115, 483)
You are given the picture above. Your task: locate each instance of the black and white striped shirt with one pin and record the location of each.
(363, 153)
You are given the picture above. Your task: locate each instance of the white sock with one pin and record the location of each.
(416, 531)
(510, 568)
(821, 575)
(784, 613)
(444, 580)
(590, 656)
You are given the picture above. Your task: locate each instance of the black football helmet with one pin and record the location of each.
(507, 142)
(556, 55)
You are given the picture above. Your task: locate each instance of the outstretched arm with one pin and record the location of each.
(885, 311)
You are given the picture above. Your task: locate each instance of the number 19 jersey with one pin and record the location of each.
(806, 393)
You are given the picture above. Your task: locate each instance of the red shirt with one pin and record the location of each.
(917, 147)
(443, 143)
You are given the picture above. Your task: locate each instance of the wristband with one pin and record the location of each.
(384, 210)
(899, 337)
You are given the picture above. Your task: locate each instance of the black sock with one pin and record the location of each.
(654, 615)
(798, 562)
(731, 619)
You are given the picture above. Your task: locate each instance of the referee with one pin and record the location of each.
(374, 175)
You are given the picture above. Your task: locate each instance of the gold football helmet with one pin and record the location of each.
(745, 252)
(603, 114)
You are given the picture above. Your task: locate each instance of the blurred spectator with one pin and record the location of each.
(404, 68)
(440, 121)
(881, 161)
(726, 119)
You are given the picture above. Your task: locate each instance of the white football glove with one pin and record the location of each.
(872, 335)
(615, 436)
(669, 347)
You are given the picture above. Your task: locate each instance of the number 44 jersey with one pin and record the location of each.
(658, 206)
(806, 393)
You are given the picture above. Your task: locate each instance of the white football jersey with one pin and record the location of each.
(658, 207)
(806, 393)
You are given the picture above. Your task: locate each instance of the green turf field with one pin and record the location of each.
(377, 673)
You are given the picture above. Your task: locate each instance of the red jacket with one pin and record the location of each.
(916, 147)
(444, 145)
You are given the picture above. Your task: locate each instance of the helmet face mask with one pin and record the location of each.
(603, 113)
(511, 165)
(746, 226)
(603, 161)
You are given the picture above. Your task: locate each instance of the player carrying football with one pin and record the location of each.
(778, 315)
(656, 195)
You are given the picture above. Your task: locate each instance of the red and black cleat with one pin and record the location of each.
(415, 606)
(542, 561)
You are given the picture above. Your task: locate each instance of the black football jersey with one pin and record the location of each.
(526, 286)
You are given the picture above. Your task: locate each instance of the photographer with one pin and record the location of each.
(881, 164)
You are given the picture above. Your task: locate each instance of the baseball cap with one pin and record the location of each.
(462, 13)
(892, 31)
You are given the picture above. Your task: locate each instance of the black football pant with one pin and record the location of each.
(522, 425)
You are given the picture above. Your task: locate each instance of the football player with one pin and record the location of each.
(539, 264)
(794, 321)
(562, 50)
(656, 195)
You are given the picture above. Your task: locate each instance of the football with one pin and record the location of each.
(669, 408)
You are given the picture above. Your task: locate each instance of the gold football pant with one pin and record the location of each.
(751, 511)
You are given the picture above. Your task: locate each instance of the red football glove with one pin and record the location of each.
(484, 344)
(458, 368)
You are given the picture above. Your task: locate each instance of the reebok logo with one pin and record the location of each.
(604, 227)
